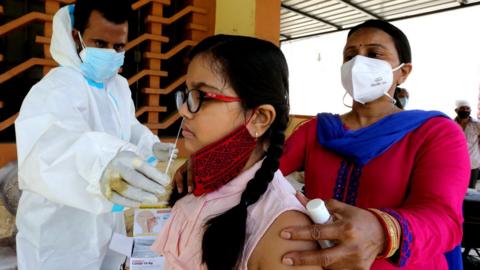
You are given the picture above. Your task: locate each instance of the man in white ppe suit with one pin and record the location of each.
(81, 151)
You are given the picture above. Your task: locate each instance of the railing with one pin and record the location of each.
(155, 21)
(167, 90)
(146, 72)
(24, 66)
(166, 123)
(162, 56)
(50, 7)
(7, 123)
(187, 10)
(145, 37)
(24, 20)
(139, 4)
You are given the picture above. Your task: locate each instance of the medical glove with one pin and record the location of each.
(129, 181)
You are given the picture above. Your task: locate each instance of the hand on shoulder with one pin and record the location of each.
(271, 247)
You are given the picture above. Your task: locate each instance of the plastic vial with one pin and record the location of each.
(320, 215)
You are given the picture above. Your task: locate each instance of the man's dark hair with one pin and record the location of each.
(115, 11)
(399, 38)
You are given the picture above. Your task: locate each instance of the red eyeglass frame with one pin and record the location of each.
(203, 95)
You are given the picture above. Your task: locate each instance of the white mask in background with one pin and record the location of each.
(366, 79)
(403, 101)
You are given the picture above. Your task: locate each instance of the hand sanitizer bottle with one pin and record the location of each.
(320, 215)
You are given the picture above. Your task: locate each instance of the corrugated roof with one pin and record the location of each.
(304, 18)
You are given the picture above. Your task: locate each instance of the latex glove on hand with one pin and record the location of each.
(129, 181)
(163, 151)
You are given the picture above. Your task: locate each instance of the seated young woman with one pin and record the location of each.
(235, 111)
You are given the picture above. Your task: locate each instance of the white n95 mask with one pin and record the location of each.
(366, 79)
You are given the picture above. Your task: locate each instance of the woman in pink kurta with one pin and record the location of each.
(409, 169)
(421, 180)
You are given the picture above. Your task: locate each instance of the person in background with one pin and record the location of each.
(235, 112)
(401, 97)
(81, 150)
(471, 128)
(394, 180)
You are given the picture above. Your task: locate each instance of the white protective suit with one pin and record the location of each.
(67, 132)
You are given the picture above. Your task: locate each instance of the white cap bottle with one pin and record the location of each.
(320, 215)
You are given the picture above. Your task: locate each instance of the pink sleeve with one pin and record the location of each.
(294, 151)
(431, 217)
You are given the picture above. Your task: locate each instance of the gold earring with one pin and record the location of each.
(256, 134)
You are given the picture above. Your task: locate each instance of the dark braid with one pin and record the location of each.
(257, 71)
(258, 186)
(224, 236)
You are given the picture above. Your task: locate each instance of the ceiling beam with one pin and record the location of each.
(359, 8)
(338, 27)
(468, 5)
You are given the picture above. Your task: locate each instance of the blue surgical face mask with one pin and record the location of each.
(99, 64)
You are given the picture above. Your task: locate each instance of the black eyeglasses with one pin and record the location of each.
(195, 97)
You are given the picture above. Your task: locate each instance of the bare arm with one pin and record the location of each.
(270, 249)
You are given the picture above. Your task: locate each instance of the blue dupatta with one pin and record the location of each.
(365, 144)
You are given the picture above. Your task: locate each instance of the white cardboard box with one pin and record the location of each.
(143, 258)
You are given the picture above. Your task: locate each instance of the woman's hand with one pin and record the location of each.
(357, 234)
(183, 173)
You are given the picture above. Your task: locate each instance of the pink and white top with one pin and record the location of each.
(180, 240)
